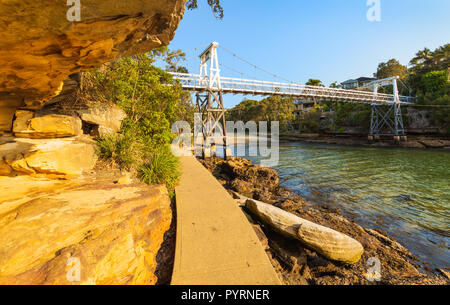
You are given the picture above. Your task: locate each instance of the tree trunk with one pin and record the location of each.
(329, 243)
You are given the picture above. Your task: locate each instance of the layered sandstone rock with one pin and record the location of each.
(39, 47)
(45, 127)
(80, 231)
(63, 158)
(107, 118)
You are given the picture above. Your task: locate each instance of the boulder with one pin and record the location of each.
(108, 117)
(328, 242)
(81, 232)
(256, 175)
(56, 157)
(47, 126)
(22, 118)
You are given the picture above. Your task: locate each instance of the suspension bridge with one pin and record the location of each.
(210, 87)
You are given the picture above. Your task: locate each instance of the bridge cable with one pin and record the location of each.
(181, 52)
(239, 72)
(255, 66)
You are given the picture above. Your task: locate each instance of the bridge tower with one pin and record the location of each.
(387, 116)
(210, 105)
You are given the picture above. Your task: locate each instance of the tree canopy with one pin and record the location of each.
(391, 68)
(314, 82)
(214, 4)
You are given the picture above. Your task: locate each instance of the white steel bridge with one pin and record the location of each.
(210, 87)
(199, 83)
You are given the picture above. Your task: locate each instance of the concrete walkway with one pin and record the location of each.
(215, 243)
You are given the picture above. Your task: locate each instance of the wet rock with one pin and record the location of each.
(404, 197)
(263, 195)
(242, 187)
(257, 175)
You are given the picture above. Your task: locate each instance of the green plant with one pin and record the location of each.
(140, 89)
(435, 81)
(160, 167)
(124, 149)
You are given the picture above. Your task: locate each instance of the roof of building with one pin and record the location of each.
(361, 79)
(365, 79)
(349, 81)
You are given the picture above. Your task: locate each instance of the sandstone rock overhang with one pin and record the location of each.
(40, 47)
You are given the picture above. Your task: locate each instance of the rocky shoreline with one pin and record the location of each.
(413, 141)
(297, 264)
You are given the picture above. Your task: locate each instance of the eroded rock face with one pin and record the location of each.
(45, 127)
(39, 47)
(61, 158)
(48, 228)
(106, 117)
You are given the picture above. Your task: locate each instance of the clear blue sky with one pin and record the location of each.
(330, 40)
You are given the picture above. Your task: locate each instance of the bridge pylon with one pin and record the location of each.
(387, 117)
(210, 105)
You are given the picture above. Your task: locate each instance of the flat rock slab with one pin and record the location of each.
(82, 231)
(215, 243)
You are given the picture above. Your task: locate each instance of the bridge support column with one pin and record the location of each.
(387, 119)
(214, 128)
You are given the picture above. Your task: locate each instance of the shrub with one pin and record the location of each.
(139, 88)
(160, 167)
(124, 150)
(435, 81)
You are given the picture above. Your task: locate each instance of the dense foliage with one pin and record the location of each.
(269, 109)
(139, 88)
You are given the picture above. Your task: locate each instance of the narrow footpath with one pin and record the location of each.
(215, 244)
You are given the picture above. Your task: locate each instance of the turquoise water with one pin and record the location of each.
(403, 192)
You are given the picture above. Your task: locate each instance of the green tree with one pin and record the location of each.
(214, 4)
(270, 109)
(435, 81)
(335, 85)
(314, 82)
(424, 62)
(391, 68)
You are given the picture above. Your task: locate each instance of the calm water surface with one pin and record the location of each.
(403, 192)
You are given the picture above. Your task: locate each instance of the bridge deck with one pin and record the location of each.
(194, 82)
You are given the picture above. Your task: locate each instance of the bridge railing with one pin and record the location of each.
(258, 87)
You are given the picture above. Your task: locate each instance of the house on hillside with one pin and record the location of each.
(356, 83)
